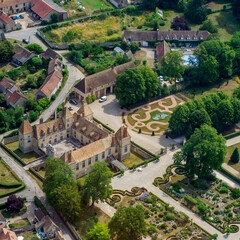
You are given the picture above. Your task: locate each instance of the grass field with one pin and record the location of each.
(93, 5)
(20, 223)
(26, 157)
(5, 175)
(28, 235)
(203, 91)
(230, 150)
(134, 159)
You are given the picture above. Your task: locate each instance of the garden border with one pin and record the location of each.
(36, 174)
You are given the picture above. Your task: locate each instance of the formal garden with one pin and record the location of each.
(9, 181)
(163, 221)
(152, 118)
(212, 199)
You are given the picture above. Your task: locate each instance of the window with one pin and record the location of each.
(50, 142)
(55, 134)
(50, 131)
(61, 138)
(29, 139)
(61, 133)
(43, 139)
(116, 149)
(68, 130)
(109, 151)
(81, 138)
(50, 137)
(103, 155)
(77, 166)
(125, 148)
(55, 140)
(83, 164)
(89, 161)
(42, 145)
(67, 120)
(67, 125)
(96, 158)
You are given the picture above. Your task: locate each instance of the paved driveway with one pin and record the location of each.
(110, 113)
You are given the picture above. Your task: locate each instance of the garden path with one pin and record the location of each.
(162, 107)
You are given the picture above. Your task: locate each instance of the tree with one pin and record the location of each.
(150, 5)
(203, 152)
(172, 65)
(2, 100)
(99, 232)
(225, 113)
(235, 44)
(209, 26)
(236, 8)
(134, 47)
(67, 200)
(6, 51)
(235, 156)
(236, 108)
(236, 93)
(180, 24)
(76, 56)
(179, 119)
(33, 116)
(57, 173)
(36, 62)
(196, 119)
(130, 87)
(97, 186)
(14, 204)
(33, 47)
(151, 81)
(128, 224)
(195, 11)
(54, 17)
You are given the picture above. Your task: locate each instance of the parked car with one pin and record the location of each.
(179, 80)
(21, 16)
(17, 17)
(13, 17)
(103, 99)
(52, 117)
(139, 169)
(25, 41)
(74, 102)
(70, 108)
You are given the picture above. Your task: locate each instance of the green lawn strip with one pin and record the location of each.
(134, 159)
(230, 150)
(20, 223)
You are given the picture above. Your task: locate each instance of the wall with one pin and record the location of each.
(140, 152)
(10, 140)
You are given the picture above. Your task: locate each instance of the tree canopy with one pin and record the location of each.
(97, 186)
(14, 203)
(36, 48)
(203, 152)
(179, 23)
(128, 224)
(6, 51)
(99, 232)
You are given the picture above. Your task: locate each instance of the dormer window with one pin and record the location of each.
(188, 38)
(181, 38)
(174, 38)
(167, 38)
(201, 38)
(194, 38)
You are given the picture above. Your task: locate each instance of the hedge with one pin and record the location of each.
(168, 193)
(15, 156)
(226, 172)
(39, 204)
(12, 134)
(14, 191)
(10, 185)
(36, 174)
(104, 125)
(232, 135)
(145, 150)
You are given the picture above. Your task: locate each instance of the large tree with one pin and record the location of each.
(179, 23)
(97, 186)
(203, 152)
(235, 44)
(14, 204)
(33, 47)
(236, 8)
(172, 65)
(6, 51)
(57, 173)
(128, 224)
(99, 232)
(195, 11)
(130, 87)
(209, 26)
(67, 200)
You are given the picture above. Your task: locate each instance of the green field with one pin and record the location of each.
(93, 5)
(133, 159)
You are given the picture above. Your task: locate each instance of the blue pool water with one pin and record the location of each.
(189, 59)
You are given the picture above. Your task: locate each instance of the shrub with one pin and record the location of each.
(88, 99)
(14, 204)
(170, 217)
(93, 97)
(223, 190)
(162, 226)
(139, 27)
(162, 23)
(151, 230)
(235, 156)
(235, 193)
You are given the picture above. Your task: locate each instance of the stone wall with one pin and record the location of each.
(140, 152)
(10, 140)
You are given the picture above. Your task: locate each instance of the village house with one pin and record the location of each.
(8, 84)
(100, 84)
(49, 53)
(6, 23)
(55, 65)
(15, 6)
(161, 50)
(6, 234)
(144, 37)
(77, 140)
(21, 56)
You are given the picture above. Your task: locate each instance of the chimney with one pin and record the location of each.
(41, 120)
(125, 132)
(69, 157)
(113, 141)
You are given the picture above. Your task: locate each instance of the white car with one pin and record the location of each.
(179, 80)
(139, 169)
(161, 78)
(103, 99)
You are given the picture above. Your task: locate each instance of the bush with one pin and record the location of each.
(93, 97)
(170, 217)
(235, 156)
(88, 100)
(223, 190)
(162, 23)
(235, 193)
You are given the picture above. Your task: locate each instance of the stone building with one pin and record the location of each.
(6, 23)
(76, 139)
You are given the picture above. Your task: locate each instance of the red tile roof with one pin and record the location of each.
(15, 97)
(50, 83)
(162, 49)
(42, 9)
(5, 82)
(5, 18)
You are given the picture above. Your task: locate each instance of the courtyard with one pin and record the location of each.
(152, 117)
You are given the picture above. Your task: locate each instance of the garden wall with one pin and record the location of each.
(10, 140)
(140, 152)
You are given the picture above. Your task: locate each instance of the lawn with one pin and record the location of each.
(28, 235)
(90, 217)
(5, 175)
(42, 172)
(93, 5)
(230, 150)
(203, 91)
(134, 159)
(14, 42)
(20, 223)
(26, 157)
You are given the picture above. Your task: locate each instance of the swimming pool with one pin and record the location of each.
(189, 59)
